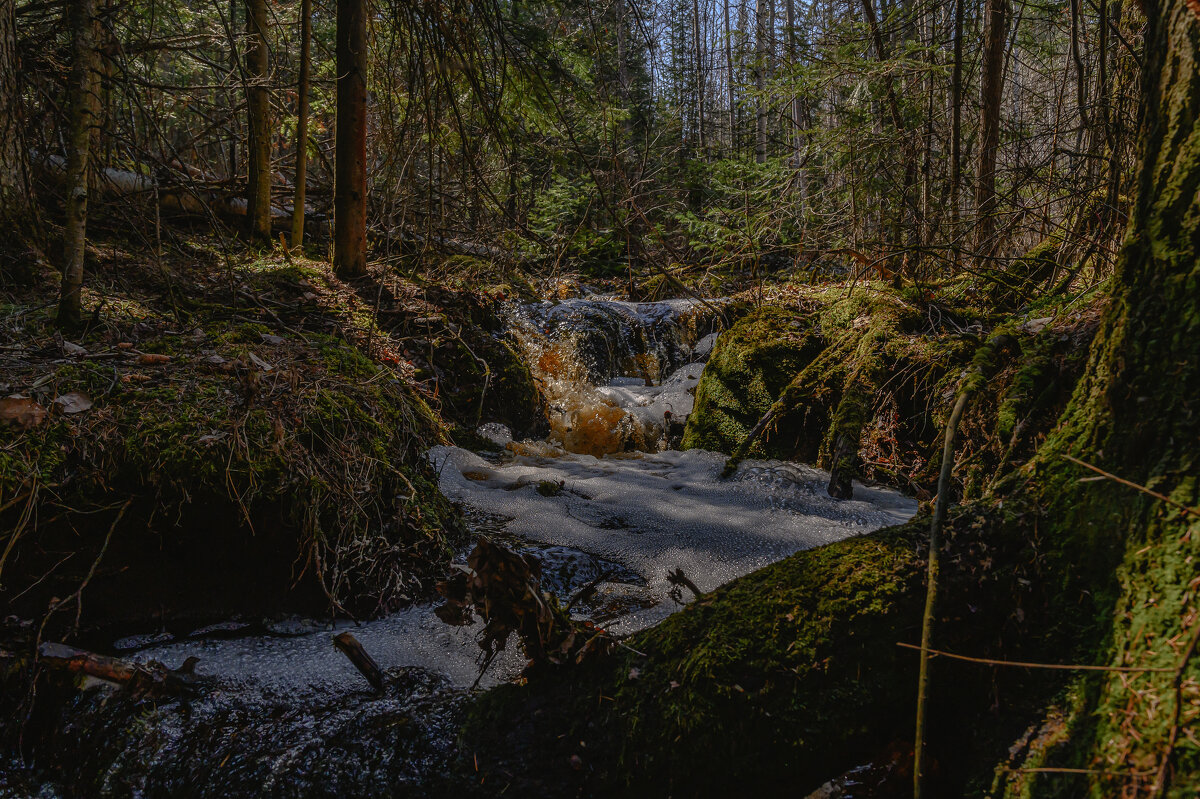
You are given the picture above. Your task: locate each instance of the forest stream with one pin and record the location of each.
(604, 503)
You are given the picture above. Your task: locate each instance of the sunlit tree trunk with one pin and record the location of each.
(731, 107)
(991, 91)
(350, 180)
(956, 97)
(761, 51)
(258, 109)
(81, 111)
(698, 39)
(302, 125)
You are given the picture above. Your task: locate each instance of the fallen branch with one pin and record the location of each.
(349, 646)
(1185, 508)
(1028, 665)
(138, 676)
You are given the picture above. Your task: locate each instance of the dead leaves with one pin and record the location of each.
(73, 402)
(27, 413)
(504, 589)
(21, 412)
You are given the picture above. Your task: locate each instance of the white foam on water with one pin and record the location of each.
(298, 665)
(654, 513)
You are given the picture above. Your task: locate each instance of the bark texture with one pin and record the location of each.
(81, 119)
(350, 181)
(258, 110)
(1137, 414)
(302, 124)
(16, 210)
(991, 92)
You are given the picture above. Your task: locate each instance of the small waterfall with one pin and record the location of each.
(619, 376)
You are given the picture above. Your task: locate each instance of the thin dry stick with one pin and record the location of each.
(1098, 772)
(1185, 508)
(1025, 665)
(939, 518)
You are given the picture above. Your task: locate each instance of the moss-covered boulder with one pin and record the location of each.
(460, 344)
(750, 366)
(231, 461)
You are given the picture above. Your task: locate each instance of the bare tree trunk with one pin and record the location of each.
(302, 124)
(81, 112)
(234, 69)
(17, 220)
(622, 55)
(956, 98)
(350, 181)
(992, 88)
(258, 108)
(699, 42)
(732, 107)
(797, 144)
(761, 18)
(1080, 80)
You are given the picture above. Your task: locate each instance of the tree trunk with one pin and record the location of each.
(732, 107)
(792, 58)
(17, 225)
(258, 110)
(992, 89)
(761, 48)
(350, 181)
(302, 125)
(81, 110)
(698, 39)
(956, 98)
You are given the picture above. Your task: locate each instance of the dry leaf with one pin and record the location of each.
(153, 357)
(21, 411)
(73, 402)
(260, 363)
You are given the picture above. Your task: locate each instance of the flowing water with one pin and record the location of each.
(603, 501)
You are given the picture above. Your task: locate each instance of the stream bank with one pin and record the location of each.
(633, 512)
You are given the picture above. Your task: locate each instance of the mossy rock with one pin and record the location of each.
(481, 376)
(207, 485)
(750, 366)
(1018, 281)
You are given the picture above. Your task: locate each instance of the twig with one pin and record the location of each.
(1026, 665)
(1097, 772)
(591, 585)
(1185, 508)
(677, 578)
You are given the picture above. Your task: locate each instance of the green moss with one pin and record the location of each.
(750, 366)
